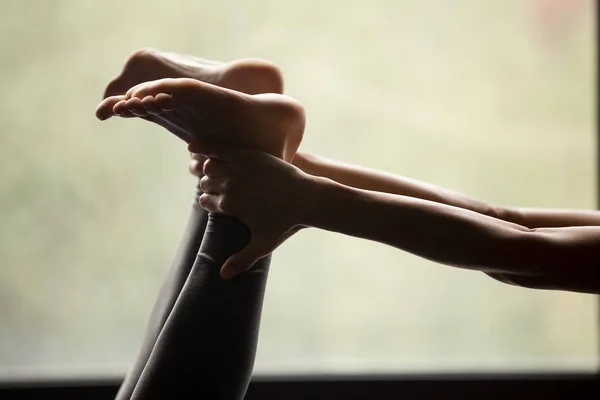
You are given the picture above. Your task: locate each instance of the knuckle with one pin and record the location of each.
(203, 200)
(203, 183)
(208, 166)
(226, 186)
(193, 166)
(226, 205)
(207, 202)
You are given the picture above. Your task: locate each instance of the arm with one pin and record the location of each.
(369, 179)
(274, 199)
(559, 258)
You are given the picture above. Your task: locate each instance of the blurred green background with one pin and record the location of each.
(494, 99)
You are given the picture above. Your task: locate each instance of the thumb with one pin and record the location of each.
(243, 260)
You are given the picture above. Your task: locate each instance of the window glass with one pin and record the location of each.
(494, 99)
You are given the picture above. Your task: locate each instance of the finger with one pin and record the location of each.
(213, 185)
(244, 260)
(213, 167)
(210, 202)
(105, 108)
(195, 168)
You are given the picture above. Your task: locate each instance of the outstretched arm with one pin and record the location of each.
(274, 199)
(565, 258)
(370, 179)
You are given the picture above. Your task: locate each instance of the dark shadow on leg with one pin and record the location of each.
(207, 347)
(169, 292)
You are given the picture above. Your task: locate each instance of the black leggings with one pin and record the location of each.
(202, 334)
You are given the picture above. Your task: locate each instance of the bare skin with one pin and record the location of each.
(241, 183)
(378, 181)
(195, 110)
(248, 75)
(252, 76)
(385, 182)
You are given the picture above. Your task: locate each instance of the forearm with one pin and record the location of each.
(438, 232)
(373, 180)
(550, 218)
(378, 181)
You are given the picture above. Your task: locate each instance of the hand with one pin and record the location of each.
(269, 195)
(196, 164)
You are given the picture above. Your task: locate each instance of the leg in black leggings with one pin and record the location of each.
(172, 285)
(251, 76)
(207, 346)
(208, 343)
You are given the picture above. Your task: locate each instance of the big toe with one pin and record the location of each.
(116, 87)
(105, 108)
(137, 68)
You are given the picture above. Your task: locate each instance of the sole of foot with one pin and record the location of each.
(271, 123)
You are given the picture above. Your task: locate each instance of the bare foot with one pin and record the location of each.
(248, 75)
(272, 123)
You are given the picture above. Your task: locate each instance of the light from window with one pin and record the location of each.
(491, 98)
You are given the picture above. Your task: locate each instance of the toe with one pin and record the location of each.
(105, 108)
(121, 109)
(135, 106)
(133, 89)
(151, 106)
(167, 85)
(134, 71)
(145, 89)
(115, 87)
(164, 101)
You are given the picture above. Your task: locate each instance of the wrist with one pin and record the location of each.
(299, 160)
(306, 162)
(316, 194)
